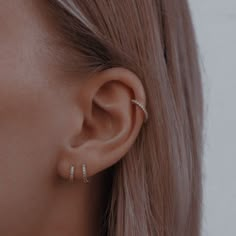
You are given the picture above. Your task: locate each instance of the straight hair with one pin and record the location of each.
(156, 188)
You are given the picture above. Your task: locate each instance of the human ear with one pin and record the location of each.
(110, 125)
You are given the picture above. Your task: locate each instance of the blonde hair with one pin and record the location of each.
(157, 187)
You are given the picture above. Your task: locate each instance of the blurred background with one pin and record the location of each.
(215, 24)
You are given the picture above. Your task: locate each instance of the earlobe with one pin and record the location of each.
(115, 111)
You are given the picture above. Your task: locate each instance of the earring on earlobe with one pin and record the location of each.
(142, 108)
(72, 173)
(84, 173)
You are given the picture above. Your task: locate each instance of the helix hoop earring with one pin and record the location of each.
(84, 171)
(142, 108)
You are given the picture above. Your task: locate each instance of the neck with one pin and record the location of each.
(76, 209)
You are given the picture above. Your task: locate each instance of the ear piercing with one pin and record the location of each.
(72, 173)
(142, 107)
(84, 172)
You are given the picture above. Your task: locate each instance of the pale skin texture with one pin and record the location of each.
(47, 125)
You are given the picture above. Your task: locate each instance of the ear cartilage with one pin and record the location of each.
(142, 107)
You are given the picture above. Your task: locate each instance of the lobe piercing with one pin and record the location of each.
(84, 171)
(72, 173)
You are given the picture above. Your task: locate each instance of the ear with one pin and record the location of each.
(110, 125)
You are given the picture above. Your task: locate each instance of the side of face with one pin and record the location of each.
(32, 105)
(48, 124)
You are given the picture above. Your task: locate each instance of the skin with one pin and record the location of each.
(48, 124)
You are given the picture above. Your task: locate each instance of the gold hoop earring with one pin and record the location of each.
(72, 173)
(84, 171)
(142, 108)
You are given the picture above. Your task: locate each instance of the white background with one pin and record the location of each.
(215, 24)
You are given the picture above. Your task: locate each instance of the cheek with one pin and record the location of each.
(31, 126)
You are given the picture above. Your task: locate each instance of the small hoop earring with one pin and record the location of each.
(142, 107)
(84, 171)
(72, 173)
